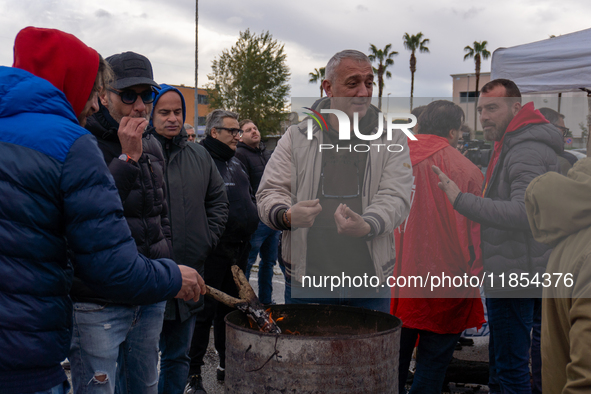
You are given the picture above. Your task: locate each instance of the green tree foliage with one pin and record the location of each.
(384, 59)
(318, 76)
(478, 52)
(414, 43)
(251, 79)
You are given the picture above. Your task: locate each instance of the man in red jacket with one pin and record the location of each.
(435, 239)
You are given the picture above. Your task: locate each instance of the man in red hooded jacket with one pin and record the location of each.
(435, 239)
(525, 146)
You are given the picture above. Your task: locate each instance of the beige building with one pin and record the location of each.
(464, 94)
(203, 106)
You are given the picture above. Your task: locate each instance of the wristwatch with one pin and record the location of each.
(125, 157)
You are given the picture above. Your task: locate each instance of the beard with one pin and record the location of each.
(497, 130)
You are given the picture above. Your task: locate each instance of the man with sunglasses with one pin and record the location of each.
(222, 134)
(191, 134)
(137, 165)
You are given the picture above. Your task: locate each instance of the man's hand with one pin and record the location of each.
(447, 185)
(193, 284)
(350, 223)
(304, 213)
(130, 135)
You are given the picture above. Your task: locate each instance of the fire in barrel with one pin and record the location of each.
(331, 349)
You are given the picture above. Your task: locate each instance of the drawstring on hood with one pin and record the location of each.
(61, 59)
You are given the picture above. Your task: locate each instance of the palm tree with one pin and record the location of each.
(479, 51)
(384, 59)
(317, 76)
(412, 43)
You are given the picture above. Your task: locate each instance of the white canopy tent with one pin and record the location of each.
(556, 65)
(559, 64)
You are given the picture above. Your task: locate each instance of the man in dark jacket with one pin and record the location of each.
(58, 194)
(252, 153)
(567, 160)
(221, 137)
(526, 146)
(198, 209)
(129, 350)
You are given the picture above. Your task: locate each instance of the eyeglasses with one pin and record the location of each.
(565, 130)
(130, 96)
(331, 188)
(191, 136)
(234, 132)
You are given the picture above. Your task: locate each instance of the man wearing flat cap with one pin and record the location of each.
(116, 344)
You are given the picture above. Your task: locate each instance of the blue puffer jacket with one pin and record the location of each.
(56, 193)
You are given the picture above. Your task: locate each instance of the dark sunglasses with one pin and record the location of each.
(564, 130)
(130, 96)
(234, 132)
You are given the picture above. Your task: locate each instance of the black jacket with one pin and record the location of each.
(141, 189)
(243, 218)
(507, 243)
(255, 160)
(198, 208)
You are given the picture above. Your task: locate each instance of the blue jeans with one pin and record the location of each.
(115, 348)
(536, 352)
(434, 353)
(62, 388)
(380, 303)
(175, 342)
(510, 321)
(265, 240)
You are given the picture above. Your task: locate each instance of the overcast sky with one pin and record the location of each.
(312, 31)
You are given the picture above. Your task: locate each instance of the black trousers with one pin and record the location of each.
(218, 274)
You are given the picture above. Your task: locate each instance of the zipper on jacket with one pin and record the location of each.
(367, 173)
(144, 206)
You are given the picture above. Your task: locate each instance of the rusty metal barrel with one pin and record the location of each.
(322, 349)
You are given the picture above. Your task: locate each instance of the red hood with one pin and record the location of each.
(425, 146)
(60, 58)
(527, 115)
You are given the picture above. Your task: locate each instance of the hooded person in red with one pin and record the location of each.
(436, 240)
(63, 60)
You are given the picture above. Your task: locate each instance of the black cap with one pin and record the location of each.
(131, 69)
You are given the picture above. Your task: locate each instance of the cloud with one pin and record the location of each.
(472, 12)
(100, 13)
(312, 31)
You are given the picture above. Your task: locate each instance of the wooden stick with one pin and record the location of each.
(223, 297)
(245, 290)
(253, 307)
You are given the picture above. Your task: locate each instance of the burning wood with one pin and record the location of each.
(247, 303)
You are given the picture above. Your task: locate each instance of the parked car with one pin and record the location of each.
(579, 153)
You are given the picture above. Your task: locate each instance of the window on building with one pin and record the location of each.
(201, 121)
(202, 99)
(468, 97)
